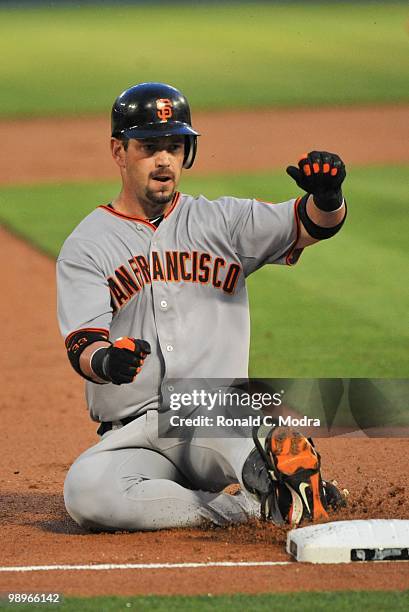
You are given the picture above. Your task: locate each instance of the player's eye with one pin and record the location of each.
(149, 148)
(176, 147)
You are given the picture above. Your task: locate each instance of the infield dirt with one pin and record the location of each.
(46, 425)
(66, 149)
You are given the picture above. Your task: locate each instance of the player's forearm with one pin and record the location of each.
(325, 218)
(86, 356)
(100, 361)
(321, 218)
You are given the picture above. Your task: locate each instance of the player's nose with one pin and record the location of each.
(162, 158)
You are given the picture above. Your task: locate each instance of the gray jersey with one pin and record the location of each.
(180, 286)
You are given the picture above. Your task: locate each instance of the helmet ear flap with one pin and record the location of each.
(190, 151)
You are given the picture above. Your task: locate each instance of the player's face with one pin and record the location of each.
(152, 167)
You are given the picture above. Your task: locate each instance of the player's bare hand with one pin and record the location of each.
(122, 361)
(322, 174)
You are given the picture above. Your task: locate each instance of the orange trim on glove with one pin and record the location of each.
(125, 343)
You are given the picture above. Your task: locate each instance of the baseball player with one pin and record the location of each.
(151, 288)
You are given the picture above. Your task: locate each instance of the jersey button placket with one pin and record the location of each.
(163, 313)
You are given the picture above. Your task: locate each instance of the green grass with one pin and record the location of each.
(337, 402)
(355, 601)
(46, 214)
(58, 60)
(341, 312)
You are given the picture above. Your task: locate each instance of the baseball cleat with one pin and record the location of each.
(297, 464)
(258, 481)
(290, 487)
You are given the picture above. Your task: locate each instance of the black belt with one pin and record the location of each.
(107, 425)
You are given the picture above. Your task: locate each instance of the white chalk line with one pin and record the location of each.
(139, 566)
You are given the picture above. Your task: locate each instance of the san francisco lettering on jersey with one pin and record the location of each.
(172, 266)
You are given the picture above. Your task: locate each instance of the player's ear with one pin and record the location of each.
(118, 152)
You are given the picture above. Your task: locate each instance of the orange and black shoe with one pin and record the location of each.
(296, 490)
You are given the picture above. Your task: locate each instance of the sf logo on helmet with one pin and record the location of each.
(164, 108)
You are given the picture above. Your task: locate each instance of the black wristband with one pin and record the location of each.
(314, 230)
(98, 361)
(78, 341)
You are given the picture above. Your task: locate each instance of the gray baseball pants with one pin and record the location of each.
(132, 480)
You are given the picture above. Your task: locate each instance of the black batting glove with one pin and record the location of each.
(320, 173)
(121, 362)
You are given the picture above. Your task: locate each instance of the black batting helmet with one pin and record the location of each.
(152, 110)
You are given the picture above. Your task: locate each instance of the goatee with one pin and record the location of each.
(159, 198)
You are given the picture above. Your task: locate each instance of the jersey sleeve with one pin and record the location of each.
(264, 233)
(83, 296)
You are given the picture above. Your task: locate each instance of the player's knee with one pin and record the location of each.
(85, 494)
(95, 501)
